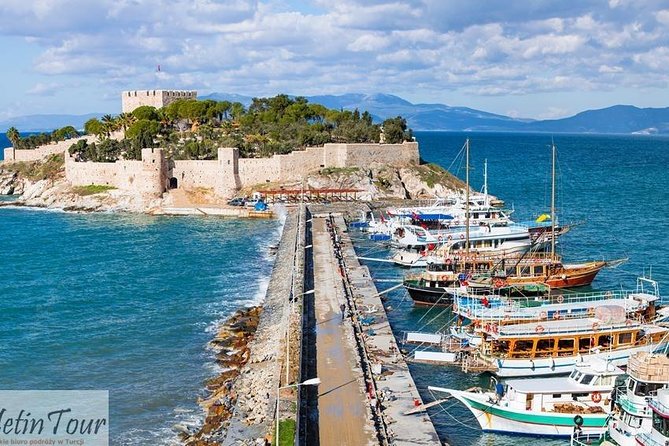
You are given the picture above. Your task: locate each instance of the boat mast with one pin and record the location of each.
(467, 200)
(553, 202)
(485, 179)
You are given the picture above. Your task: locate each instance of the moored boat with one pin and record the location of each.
(545, 406)
(553, 347)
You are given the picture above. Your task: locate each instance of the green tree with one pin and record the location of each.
(109, 124)
(395, 130)
(13, 136)
(146, 112)
(94, 127)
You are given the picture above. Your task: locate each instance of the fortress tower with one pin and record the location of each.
(130, 100)
(153, 177)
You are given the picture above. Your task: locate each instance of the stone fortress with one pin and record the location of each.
(130, 100)
(154, 174)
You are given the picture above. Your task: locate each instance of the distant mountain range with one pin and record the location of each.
(624, 119)
(44, 123)
(616, 119)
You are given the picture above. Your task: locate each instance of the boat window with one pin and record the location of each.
(545, 346)
(606, 380)
(624, 338)
(630, 384)
(587, 379)
(604, 341)
(573, 372)
(528, 401)
(566, 346)
(557, 396)
(501, 347)
(661, 424)
(644, 389)
(538, 270)
(634, 422)
(584, 344)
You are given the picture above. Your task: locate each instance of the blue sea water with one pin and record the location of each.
(124, 303)
(128, 303)
(615, 186)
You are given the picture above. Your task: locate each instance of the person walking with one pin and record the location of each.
(342, 307)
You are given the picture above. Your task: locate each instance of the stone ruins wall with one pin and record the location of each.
(130, 100)
(41, 152)
(396, 155)
(229, 173)
(146, 176)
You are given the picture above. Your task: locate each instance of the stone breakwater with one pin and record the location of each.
(241, 405)
(232, 353)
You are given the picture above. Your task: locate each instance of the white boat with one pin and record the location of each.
(554, 347)
(490, 242)
(659, 434)
(648, 374)
(545, 406)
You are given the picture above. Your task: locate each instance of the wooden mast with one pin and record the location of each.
(553, 202)
(467, 200)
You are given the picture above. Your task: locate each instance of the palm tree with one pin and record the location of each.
(125, 120)
(110, 124)
(13, 136)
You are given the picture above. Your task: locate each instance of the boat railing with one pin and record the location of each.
(659, 407)
(647, 440)
(534, 329)
(586, 439)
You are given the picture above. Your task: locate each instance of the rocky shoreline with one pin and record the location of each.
(232, 353)
(43, 185)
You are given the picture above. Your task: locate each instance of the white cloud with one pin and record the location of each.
(476, 47)
(42, 89)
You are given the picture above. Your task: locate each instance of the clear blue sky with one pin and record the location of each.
(525, 58)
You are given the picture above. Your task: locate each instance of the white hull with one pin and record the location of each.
(513, 368)
(495, 418)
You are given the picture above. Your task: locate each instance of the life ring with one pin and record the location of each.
(542, 315)
(591, 311)
(595, 326)
(539, 329)
(560, 298)
(448, 261)
(608, 294)
(450, 237)
(556, 315)
(462, 236)
(596, 397)
(628, 322)
(499, 283)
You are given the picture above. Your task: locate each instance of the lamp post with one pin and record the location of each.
(309, 382)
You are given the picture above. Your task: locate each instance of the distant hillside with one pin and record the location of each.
(616, 119)
(44, 123)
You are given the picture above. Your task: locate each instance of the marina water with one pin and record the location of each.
(128, 303)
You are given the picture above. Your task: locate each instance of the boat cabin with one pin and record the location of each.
(565, 338)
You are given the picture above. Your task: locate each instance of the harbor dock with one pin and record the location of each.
(323, 322)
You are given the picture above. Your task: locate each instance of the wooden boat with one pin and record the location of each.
(553, 347)
(545, 406)
(433, 285)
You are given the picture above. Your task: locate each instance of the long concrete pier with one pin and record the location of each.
(323, 318)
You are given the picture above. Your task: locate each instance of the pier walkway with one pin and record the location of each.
(342, 404)
(393, 386)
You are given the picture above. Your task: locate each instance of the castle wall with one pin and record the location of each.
(229, 173)
(258, 170)
(41, 152)
(396, 155)
(130, 100)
